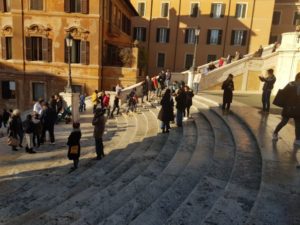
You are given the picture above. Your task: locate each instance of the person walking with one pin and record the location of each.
(106, 104)
(166, 112)
(115, 106)
(48, 119)
(145, 91)
(74, 146)
(189, 99)
(291, 109)
(267, 89)
(13, 128)
(99, 126)
(82, 105)
(28, 127)
(5, 117)
(228, 87)
(95, 100)
(180, 106)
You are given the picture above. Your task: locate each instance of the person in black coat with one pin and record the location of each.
(74, 145)
(14, 126)
(228, 87)
(115, 106)
(28, 127)
(5, 117)
(180, 106)
(291, 109)
(269, 82)
(48, 119)
(166, 112)
(189, 100)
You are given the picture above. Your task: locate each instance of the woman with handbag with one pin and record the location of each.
(166, 112)
(74, 145)
(291, 108)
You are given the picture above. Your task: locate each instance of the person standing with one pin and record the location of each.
(221, 62)
(37, 130)
(106, 103)
(74, 145)
(95, 100)
(5, 117)
(196, 82)
(82, 105)
(14, 127)
(189, 99)
(228, 87)
(291, 109)
(166, 112)
(145, 91)
(37, 107)
(28, 127)
(99, 126)
(267, 89)
(168, 78)
(180, 106)
(48, 119)
(118, 89)
(115, 106)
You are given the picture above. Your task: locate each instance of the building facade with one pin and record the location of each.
(34, 57)
(167, 29)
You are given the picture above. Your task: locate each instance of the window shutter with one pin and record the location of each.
(66, 53)
(208, 37)
(47, 49)
(67, 6)
(223, 10)
(134, 33)
(220, 37)
(3, 48)
(1, 5)
(212, 10)
(232, 37)
(237, 10)
(28, 48)
(84, 6)
(144, 33)
(85, 52)
(157, 34)
(244, 37)
(186, 38)
(168, 35)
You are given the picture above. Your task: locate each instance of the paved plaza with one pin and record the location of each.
(215, 170)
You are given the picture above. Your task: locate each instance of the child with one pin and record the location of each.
(28, 128)
(74, 145)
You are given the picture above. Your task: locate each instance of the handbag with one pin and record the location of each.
(74, 150)
(11, 141)
(280, 98)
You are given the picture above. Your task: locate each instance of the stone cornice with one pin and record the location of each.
(38, 30)
(7, 31)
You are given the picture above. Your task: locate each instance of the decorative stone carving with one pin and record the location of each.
(38, 30)
(7, 31)
(78, 32)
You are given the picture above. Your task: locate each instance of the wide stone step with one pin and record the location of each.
(74, 183)
(215, 174)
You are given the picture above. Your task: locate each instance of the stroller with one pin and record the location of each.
(65, 115)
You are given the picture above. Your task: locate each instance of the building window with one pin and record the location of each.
(188, 61)
(276, 17)
(6, 46)
(126, 24)
(38, 49)
(161, 60)
(273, 39)
(38, 91)
(189, 36)
(80, 52)
(77, 6)
(165, 9)
(5, 5)
(36, 4)
(194, 9)
(217, 10)
(8, 89)
(296, 18)
(162, 35)
(240, 10)
(139, 33)
(238, 37)
(141, 8)
(211, 58)
(214, 37)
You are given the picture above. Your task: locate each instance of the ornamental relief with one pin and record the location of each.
(78, 33)
(37, 30)
(7, 31)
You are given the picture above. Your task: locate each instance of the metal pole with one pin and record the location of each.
(69, 85)
(192, 70)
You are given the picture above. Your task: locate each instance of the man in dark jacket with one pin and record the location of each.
(291, 109)
(267, 89)
(180, 106)
(99, 126)
(5, 117)
(28, 128)
(48, 119)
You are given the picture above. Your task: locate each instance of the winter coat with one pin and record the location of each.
(37, 126)
(99, 125)
(15, 126)
(28, 126)
(48, 117)
(74, 140)
(166, 112)
(189, 98)
(228, 87)
(106, 101)
(292, 100)
(268, 82)
(181, 101)
(5, 116)
(116, 101)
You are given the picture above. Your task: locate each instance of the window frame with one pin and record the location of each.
(242, 39)
(246, 10)
(143, 30)
(43, 6)
(32, 90)
(212, 10)
(192, 9)
(157, 60)
(185, 60)
(11, 90)
(162, 9)
(209, 58)
(167, 35)
(294, 22)
(220, 33)
(280, 15)
(141, 2)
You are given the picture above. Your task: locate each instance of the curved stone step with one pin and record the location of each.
(129, 210)
(240, 194)
(215, 177)
(69, 185)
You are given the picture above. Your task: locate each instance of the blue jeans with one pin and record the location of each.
(266, 100)
(179, 116)
(99, 147)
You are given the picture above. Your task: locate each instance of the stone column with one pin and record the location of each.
(72, 99)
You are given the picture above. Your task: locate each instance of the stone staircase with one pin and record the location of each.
(214, 170)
